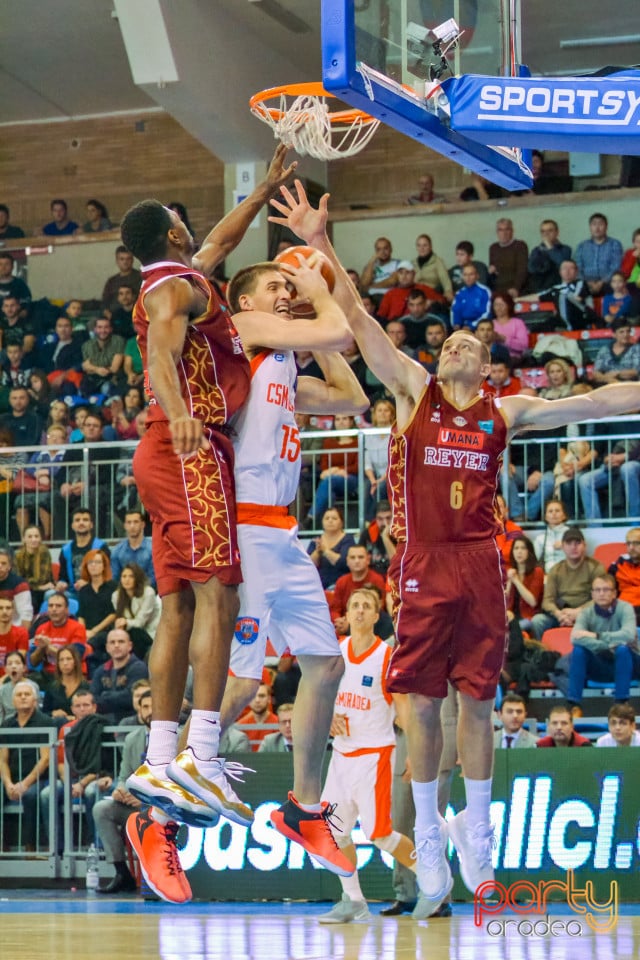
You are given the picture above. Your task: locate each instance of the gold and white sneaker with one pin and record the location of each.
(173, 799)
(210, 784)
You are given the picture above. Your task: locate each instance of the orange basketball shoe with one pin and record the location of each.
(155, 846)
(313, 832)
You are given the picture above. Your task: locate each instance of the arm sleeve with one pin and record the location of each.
(626, 633)
(24, 605)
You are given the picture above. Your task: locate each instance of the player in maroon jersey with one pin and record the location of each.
(445, 458)
(196, 378)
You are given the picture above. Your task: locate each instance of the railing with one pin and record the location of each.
(96, 477)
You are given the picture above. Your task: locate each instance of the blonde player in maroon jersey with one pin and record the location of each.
(196, 378)
(445, 459)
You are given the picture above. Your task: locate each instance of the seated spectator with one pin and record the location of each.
(136, 548)
(12, 637)
(545, 259)
(571, 298)
(7, 230)
(97, 218)
(509, 329)
(132, 365)
(599, 256)
(397, 333)
(618, 303)
(60, 225)
(560, 377)
(621, 465)
(604, 642)
(13, 587)
(377, 540)
(79, 475)
(134, 719)
(513, 713)
(428, 353)
(394, 303)
(510, 529)
(416, 318)
(626, 571)
(380, 272)
(102, 359)
(122, 316)
(126, 274)
(481, 189)
(484, 332)
(258, 712)
(376, 454)
(24, 771)
(54, 630)
(110, 814)
(40, 392)
(73, 552)
(620, 358)
(472, 302)
(33, 562)
(16, 369)
(360, 574)
(67, 680)
(431, 269)
(508, 260)
(95, 611)
(282, 741)
(525, 582)
(15, 670)
(124, 410)
(631, 260)
(24, 424)
(34, 498)
(560, 732)
(286, 681)
(15, 328)
(464, 255)
(622, 728)
(137, 607)
(338, 467)
(112, 682)
(568, 585)
(58, 417)
(426, 193)
(10, 284)
(329, 550)
(60, 356)
(500, 382)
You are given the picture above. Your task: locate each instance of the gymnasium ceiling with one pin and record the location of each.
(66, 59)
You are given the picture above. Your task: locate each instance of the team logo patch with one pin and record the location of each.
(247, 629)
(486, 426)
(412, 586)
(279, 357)
(468, 439)
(435, 416)
(460, 421)
(367, 681)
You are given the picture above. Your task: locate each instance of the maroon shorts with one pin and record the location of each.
(449, 613)
(192, 505)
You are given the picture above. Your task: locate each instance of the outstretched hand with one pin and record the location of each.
(278, 174)
(299, 215)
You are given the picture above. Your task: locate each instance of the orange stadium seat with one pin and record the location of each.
(558, 639)
(608, 553)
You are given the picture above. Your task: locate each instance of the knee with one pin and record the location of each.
(426, 710)
(622, 654)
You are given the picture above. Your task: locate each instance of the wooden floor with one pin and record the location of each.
(49, 926)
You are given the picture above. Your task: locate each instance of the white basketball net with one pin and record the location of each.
(305, 126)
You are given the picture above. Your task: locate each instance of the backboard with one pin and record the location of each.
(387, 57)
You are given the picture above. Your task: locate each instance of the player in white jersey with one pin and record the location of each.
(360, 772)
(281, 596)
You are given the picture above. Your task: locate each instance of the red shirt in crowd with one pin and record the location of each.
(16, 638)
(71, 631)
(345, 585)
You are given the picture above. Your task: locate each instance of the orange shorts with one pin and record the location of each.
(191, 502)
(450, 618)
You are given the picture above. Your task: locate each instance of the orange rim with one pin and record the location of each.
(258, 105)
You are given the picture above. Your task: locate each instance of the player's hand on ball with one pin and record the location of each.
(188, 436)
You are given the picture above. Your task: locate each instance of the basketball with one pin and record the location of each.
(326, 269)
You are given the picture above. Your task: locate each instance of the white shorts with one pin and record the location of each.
(361, 787)
(281, 598)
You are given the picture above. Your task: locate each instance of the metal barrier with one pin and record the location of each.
(100, 478)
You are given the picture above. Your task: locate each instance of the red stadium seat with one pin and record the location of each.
(558, 639)
(608, 553)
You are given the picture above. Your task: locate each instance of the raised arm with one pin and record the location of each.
(403, 376)
(227, 234)
(339, 392)
(534, 413)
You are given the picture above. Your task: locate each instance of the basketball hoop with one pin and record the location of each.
(306, 124)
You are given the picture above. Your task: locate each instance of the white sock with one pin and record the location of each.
(478, 802)
(204, 734)
(163, 743)
(351, 886)
(425, 798)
